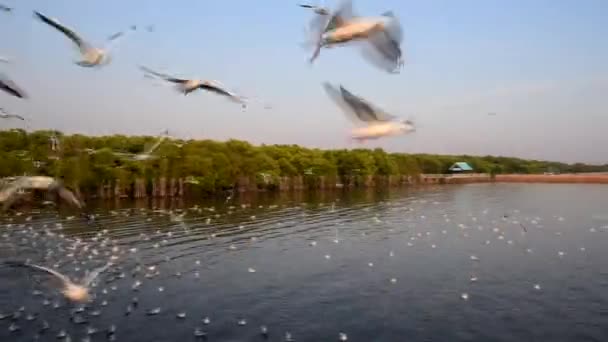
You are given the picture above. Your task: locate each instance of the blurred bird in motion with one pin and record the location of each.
(186, 86)
(5, 8)
(91, 56)
(11, 192)
(10, 87)
(73, 291)
(5, 115)
(382, 36)
(148, 153)
(377, 122)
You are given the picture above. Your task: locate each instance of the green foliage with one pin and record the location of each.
(90, 162)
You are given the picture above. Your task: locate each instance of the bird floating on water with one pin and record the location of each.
(10, 192)
(186, 86)
(383, 36)
(91, 56)
(71, 290)
(378, 123)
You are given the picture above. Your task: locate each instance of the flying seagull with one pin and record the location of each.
(91, 56)
(5, 115)
(147, 154)
(377, 123)
(71, 290)
(10, 192)
(10, 87)
(382, 35)
(186, 86)
(5, 8)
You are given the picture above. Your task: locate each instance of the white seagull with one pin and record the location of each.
(10, 192)
(10, 87)
(377, 122)
(91, 56)
(147, 154)
(186, 86)
(71, 290)
(383, 36)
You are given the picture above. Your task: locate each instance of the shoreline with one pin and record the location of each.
(573, 178)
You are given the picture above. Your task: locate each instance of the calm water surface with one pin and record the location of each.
(374, 266)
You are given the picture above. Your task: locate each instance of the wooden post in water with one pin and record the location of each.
(181, 188)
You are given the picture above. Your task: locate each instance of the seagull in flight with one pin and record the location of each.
(382, 36)
(5, 8)
(76, 292)
(147, 154)
(91, 56)
(10, 87)
(186, 86)
(377, 123)
(10, 192)
(5, 115)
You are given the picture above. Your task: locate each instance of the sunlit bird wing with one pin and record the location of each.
(70, 197)
(71, 34)
(91, 276)
(52, 272)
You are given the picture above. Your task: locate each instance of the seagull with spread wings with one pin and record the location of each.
(91, 56)
(186, 86)
(377, 123)
(76, 292)
(10, 193)
(382, 35)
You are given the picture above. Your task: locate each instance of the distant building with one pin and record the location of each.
(460, 167)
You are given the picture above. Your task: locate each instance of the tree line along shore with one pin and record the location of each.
(100, 166)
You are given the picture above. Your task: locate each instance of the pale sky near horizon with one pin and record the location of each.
(541, 66)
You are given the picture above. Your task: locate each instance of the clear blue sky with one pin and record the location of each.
(541, 66)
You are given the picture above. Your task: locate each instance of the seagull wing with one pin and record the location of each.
(70, 197)
(336, 95)
(10, 87)
(155, 146)
(161, 75)
(52, 272)
(363, 109)
(383, 51)
(220, 90)
(91, 276)
(81, 43)
(343, 13)
(116, 37)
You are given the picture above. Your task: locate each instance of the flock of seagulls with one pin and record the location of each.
(137, 269)
(380, 38)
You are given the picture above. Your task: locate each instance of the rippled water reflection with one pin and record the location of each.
(449, 263)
